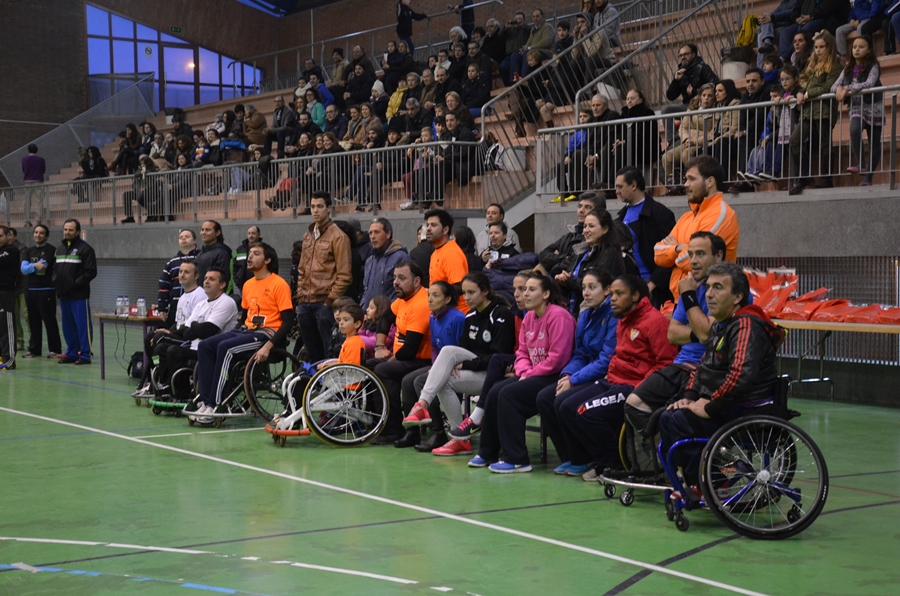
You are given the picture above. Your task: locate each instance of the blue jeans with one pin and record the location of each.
(77, 327)
(316, 321)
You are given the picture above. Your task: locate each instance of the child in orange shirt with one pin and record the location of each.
(350, 320)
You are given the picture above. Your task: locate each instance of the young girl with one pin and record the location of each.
(595, 343)
(866, 111)
(353, 350)
(545, 346)
(566, 180)
(377, 306)
(489, 329)
(812, 137)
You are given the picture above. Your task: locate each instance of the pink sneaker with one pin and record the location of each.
(454, 447)
(418, 416)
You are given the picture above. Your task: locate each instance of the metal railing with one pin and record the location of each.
(404, 177)
(96, 126)
(367, 39)
(747, 161)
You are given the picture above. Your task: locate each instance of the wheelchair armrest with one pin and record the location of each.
(652, 427)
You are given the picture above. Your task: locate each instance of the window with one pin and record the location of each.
(185, 74)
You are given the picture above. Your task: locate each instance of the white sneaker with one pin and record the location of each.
(142, 391)
(406, 205)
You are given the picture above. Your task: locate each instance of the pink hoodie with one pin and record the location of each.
(545, 343)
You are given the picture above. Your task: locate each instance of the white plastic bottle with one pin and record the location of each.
(119, 306)
(126, 302)
(141, 307)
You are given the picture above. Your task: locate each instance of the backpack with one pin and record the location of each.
(136, 365)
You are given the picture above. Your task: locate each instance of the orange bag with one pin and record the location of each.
(759, 282)
(814, 295)
(834, 311)
(668, 309)
(865, 314)
(889, 316)
(795, 310)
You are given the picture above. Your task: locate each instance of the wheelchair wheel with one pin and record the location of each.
(638, 454)
(345, 405)
(764, 477)
(182, 385)
(262, 383)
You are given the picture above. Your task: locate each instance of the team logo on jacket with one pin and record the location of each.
(600, 402)
(486, 336)
(634, 334)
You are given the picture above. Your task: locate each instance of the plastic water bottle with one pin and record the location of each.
(142, 306)
(127, 304)
(119, 308)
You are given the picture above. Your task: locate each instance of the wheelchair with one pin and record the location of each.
(343, 404)
(177, 394)
(642, 469)
(761, 476)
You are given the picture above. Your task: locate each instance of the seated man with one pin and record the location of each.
(217, 314)
(266, 300)
(412, 345)
(738, 367)
(689, 328)
(191, 296)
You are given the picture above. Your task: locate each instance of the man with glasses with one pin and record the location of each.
(284, 120)
(692, 74)
(444, 85)
(335, 122)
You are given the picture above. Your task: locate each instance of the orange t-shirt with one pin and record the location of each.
(413, 315)
(265, 298)
(448, 263)
(352, 350)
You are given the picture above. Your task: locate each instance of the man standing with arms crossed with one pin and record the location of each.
(76, 267)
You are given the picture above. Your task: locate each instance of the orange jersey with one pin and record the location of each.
(352, 350)
(712, 215)
(413, 315)
(449, 264)
(266, 298)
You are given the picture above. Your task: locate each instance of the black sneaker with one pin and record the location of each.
(66, 360)
(81, 361)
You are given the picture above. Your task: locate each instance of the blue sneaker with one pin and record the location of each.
(501, 467)
(478, 462)
(577, 470)
(562, 468)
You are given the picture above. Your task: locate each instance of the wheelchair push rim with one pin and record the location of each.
(764, 477)
(345, 405)
(263, 383)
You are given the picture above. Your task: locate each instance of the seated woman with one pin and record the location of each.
(356, 131)
(476, 90)
(601, 249)
(315, 108)
(724, 144)
(696, 132)
(595, 344)
(591, 418)
(489, 329)
(545, 346)
(397, 64)
(446, 326)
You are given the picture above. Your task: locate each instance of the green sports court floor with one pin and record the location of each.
(99, 496)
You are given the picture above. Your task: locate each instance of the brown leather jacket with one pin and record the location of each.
(254, 125)
(323, 274)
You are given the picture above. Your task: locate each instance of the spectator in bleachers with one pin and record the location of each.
(708, 213)
(184, 146)
(562, 249)
(304, 146)
(216, 155)
(696, 133)
(648, 222)
(443, 59)
(218, 124)
(771, 25)
(254, 126)
(725, 125)
(126, 159)
(772, 65)
(866, 111)
(310, 68)
(636, 143)
(813, 16)
(494, 214)
(478, 57)
(560, 83)
(476, 90)
(414, 120)
(379, 101)
(692, 75)
(368, 115)
(359, 88)
(465, 238)
(179, 126)
(515, 36)
(444, 86)
(428, 90)
(494, 43)
(356, 131)
(305, 124)
(395, 103)
(802, 50)
(335, 122)
(315, 108)
(453, 103)
(608, 17)
(595, 54)
(811, 140)
(541, 37)
(865, 18)
(200, 157)
(302, 86)
(764, 162)
(158, 152)
(456, 35)
(413, 90)
(458, 62)
(466, 15)
(341, 69)
(458, 160)
(237, 125)
(171, 149)
(182, 182)
(405, 18)
(397, 64)
(148, 132)
(572, 162)
(316, 83)
(751, 122)
(421, 183)
(598, 165)
(146, 192)
(358, 56)
(604, 244)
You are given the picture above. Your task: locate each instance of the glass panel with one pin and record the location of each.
(248, 76)
(98, 56)
(228, 72)
(122, 27)
(123, 56)
(148, 57)
(209, 67)
(147, 33)
(166, 37)
(179, 64)
(179, 96)
(209, 94)
(228, 93)
(97, 21)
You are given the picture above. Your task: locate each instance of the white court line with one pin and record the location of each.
(202, 432)
(386, 501)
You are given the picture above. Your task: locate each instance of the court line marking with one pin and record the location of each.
(401, 504)
(204, 432)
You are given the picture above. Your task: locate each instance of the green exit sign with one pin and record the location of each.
(175, 29)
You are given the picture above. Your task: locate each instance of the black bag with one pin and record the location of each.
(136, 365)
